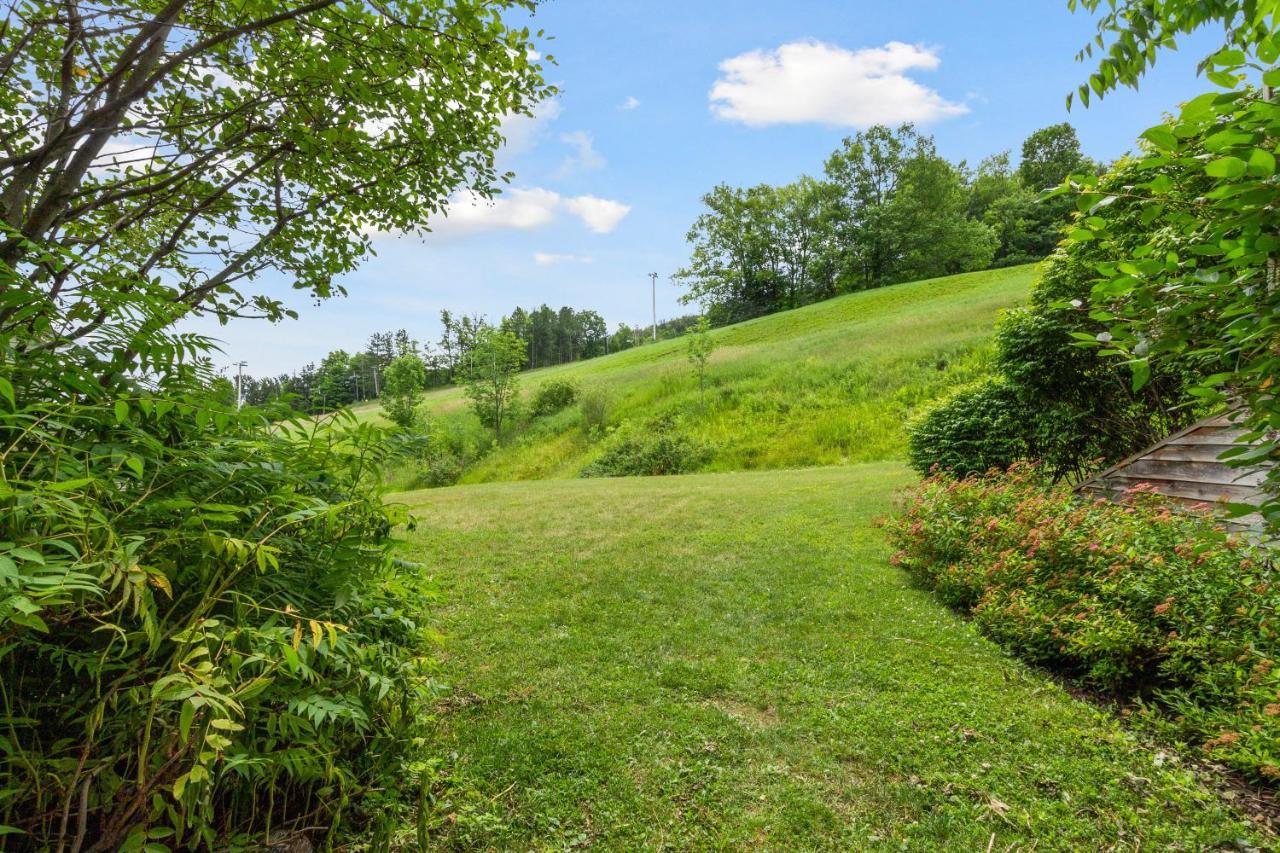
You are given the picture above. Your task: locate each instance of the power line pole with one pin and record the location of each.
(239, 366)
(653, 277)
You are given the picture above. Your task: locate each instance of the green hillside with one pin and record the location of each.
(728, 660)
(830, 383)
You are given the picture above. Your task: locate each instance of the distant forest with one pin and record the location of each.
(551, 337)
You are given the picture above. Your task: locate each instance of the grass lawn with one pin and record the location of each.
(729, 661)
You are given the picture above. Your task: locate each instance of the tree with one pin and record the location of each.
(1215, 300)
(699, 348)
(333, 385)
(1049, 155)
(928, 209)
(135, 145)
(402, 385)
(492, 381)
(866, 169)
(727, 269)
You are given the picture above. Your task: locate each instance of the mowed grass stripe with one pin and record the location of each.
(727, 661)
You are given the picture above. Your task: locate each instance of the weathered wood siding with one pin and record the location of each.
(1185, 469)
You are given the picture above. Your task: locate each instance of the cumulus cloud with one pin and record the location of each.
(813, 82)
(600, 215)
(585, 157)
(547, 259)
(630, 103)
(518, 209)
(522, 132)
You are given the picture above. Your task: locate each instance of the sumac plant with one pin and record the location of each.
(1161, 608)
(203, 634)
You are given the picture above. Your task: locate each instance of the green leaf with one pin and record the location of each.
(1161, 137)
(185, 718)
(122, 411)
(1225, 167)
(1141, 373)
(1262, 163)
(6, 391)
(1229, 57)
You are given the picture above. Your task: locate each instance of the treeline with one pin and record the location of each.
(549, 337)
(888, 209)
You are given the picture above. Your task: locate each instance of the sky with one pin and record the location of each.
(660, 101)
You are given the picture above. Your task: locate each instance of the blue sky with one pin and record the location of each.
(662, 100)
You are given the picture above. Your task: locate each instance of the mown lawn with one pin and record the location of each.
(729, 661)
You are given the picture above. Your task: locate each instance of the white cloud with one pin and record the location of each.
(630, 103)
(814, 82)
(600, 215)
(521, 132)
(519, 209)
(515, 209)
(585, 157)
(547, 259)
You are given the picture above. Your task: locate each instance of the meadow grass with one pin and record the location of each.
(830, 383)
(728, 661)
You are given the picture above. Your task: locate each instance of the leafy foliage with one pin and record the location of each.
(698, 349)
(136, 145)
(657, 448)
(1132, 598)
(203, 639)
(1212, 298)
(887, 209)
(1066, 406)
(973, 431)
(203, 629)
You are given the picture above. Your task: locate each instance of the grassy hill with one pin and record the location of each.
(728, 660)
(830, 383)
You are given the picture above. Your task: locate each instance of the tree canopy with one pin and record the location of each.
(156, 161)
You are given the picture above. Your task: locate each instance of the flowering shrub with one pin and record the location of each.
(1155, 605)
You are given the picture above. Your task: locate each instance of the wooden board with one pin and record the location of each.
(1209, 493)
(1209, 473)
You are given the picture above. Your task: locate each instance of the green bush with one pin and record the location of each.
(204, 635)
(971, 432)
(1132, 598)
(594, 406)
(553, 396)
(654, 449)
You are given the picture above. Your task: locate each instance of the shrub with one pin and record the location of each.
(657, 448)
(205, 636)
(971, 432)
(594, 406)
(1132, 598)
(553, 396)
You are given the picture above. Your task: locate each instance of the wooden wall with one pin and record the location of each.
(1185, 469)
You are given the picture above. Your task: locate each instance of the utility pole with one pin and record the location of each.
(653, 278)
(240, 366)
